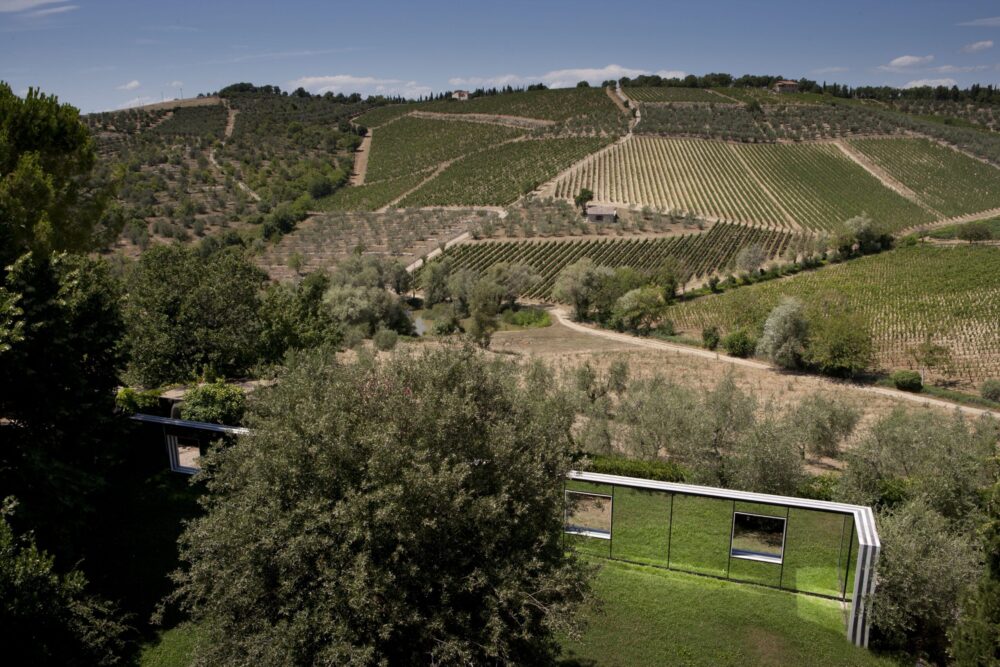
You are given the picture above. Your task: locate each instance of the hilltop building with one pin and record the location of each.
(786, 86)
(460, 95)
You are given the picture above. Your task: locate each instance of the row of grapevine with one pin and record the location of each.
(949, 293)
(813, 184)
(697, 254)
(945, 179)
(660, 94)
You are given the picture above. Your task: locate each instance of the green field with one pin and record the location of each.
(698, 254)
(371, 196)
(953, 231)
(660, 94)
(814, 185)
(502, 174)
(382, 115)
(949, 293)
(412, 144)
(654, 617)
(948, 181)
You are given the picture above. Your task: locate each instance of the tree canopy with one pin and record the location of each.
(394, 511)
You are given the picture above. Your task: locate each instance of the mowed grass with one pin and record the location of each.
(653, 617)
(172, 648)
(949, 293)
(945, 179)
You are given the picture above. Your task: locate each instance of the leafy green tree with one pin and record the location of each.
(739, 343)
(820, 424)
(976, 636)
(404, 510)
(216, 403)
(840, 341)
(57, 395)
(924, 570)
(484, 305)
(48, 201)
(186, 314)
(434, 279)
(975, 231)
(750, 258)
(584, 197)
(515, 279)
(578, 285)
(47, 618)
(783, 341)
(638, 310)
(295, 317)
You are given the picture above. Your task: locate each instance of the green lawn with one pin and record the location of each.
(651, 616)
(172, 648)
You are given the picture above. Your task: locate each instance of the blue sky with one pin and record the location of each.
(106, 54)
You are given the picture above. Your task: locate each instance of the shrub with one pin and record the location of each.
(526, 317)
(906, 380)
(784, 338)
(385, 339)
(991, 390)
(217, 403)
(739, 343)
(663, 471)
(710, 337)
(131, 400)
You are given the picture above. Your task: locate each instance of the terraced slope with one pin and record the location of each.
(655, 94)
(950, 293)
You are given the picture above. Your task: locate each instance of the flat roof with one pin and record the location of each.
(863, 515)
(187, 423)
(600, 209)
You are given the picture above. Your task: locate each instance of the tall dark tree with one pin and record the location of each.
(396, 512)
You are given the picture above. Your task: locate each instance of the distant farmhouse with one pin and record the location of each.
(786, 86)
(461, 95)
(599, 213)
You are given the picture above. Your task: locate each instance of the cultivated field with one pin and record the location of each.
(502, 174)
(660, 94)
(944, 179)
(813, 186)
(410, 145)
(698, 254)
(949, 293)
(559, 104)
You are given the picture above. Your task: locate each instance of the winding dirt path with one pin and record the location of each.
(563, 318)
(230, 124)
(361, 160)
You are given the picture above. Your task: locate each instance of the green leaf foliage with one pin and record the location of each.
(405, 510)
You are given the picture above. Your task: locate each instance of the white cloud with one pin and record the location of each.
(905, 62)
(829, 70)
(131, 85)
(563, 78)
(958, 69)
(22, 5)
(176, 84)
(976, 47)
(61, 9)
(366, 85)
(933, 83)
(991, 22)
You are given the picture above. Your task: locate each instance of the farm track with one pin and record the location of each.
(361, 160)
(230, 125)
(883, 176)
(434, 174)
(562, 318)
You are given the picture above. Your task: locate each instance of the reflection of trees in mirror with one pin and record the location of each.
(757, 536)
(588, 513)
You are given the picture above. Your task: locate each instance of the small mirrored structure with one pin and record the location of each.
(588, 514)
(758, 537)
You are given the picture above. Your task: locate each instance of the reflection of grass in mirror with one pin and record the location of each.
(816, 543)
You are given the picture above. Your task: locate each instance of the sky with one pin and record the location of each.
(109, 54)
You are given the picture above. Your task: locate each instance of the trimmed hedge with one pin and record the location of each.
(662, 471)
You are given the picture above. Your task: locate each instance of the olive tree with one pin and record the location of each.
(405, 509)
(784, 338)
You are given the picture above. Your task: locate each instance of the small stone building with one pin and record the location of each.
(600, 213)
(786, 86)
(460, 95)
